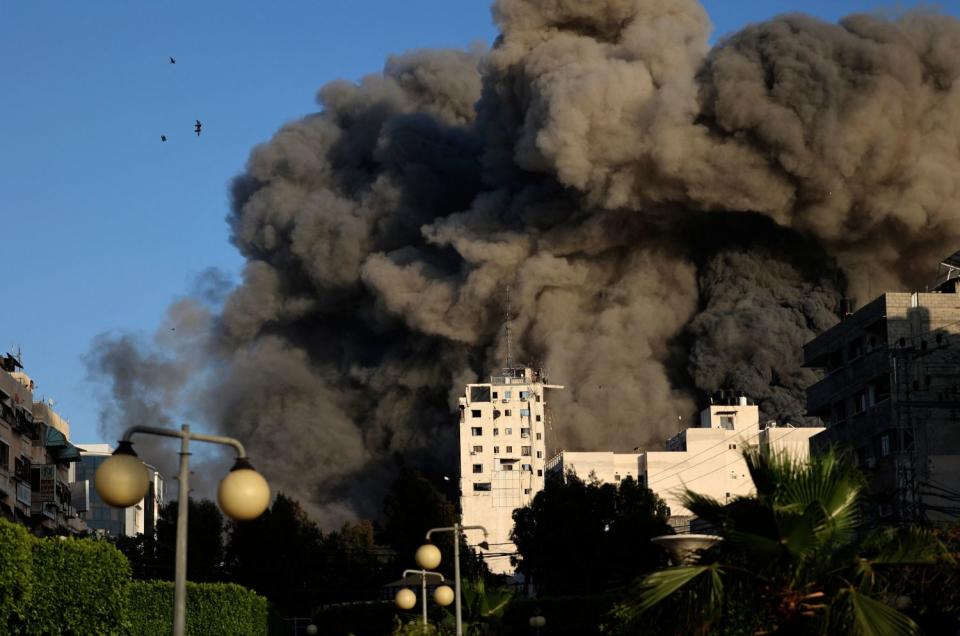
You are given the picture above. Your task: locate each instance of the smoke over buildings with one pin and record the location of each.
(666, 220)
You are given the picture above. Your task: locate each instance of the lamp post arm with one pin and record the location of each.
(407, 573)
(166, 432)
(456, 529)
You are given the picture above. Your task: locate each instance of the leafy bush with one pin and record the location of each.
(212, 608)
(79, 587)
(16, 575)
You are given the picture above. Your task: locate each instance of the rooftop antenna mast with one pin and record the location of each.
(509, 318)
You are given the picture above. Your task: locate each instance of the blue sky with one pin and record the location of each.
(103, 225)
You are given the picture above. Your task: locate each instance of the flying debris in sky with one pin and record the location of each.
(173, 60)
(197, 127)
(163, 137)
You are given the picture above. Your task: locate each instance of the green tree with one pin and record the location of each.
(792, 561)
(578, 537)
(412, 506)
(154, 556)
(280, 556)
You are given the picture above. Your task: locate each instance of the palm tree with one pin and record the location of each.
(793, 560)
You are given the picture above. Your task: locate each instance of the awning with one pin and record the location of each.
(62, 450)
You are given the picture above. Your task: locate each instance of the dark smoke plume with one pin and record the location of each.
(662, 219)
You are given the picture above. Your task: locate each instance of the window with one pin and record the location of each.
(508, 431)
(496, 431)
(479, 394)
(525, 450)
(539, 435)
(537, 397)
(475, 412)
(506, 467)
(526, 491)
(496, 449)
(539, 473)
(539, 454)
(478, 468)
(524, 412)
(507, 412)
(726, 422)
(885, 445)
(527, 467)
(524, 432)
(732, 446)
(494, 395)
(509, 449)
(538, 418)
(476, 431)
(478, 449)
(506, 395)
(482, 487)
(616, 476)
(524, 395)
(4, 456)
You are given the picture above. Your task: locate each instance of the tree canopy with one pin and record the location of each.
(578, 537)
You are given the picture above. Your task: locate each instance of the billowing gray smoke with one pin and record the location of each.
(662, 219)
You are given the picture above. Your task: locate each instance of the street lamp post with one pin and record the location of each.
(457, 531)
(442, 595)
(122, 480)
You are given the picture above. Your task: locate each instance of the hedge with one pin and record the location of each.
(79, 588)
(212, 608)
(60, 585)
(16, 575)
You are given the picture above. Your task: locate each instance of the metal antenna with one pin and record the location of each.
(509, 319)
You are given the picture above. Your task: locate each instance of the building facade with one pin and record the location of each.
(36, 458)
(891, 395)
(707, 459)
(140, 518)
(502, 456)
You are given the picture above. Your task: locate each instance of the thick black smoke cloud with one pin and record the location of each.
(662, 219)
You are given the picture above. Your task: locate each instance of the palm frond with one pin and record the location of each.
(875, 618)
(702, 581)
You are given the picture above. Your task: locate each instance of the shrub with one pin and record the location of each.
(212, 608)
(16, 575)
(79, 587)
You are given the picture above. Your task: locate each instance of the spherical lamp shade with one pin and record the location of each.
(537, 621)
(428, 556)
(122, 479)
(311, 630)
(243, 494)
(443, 595)
(405, 599)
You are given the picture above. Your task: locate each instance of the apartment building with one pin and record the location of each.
(891, 396)
(502, 455)
(36, 457)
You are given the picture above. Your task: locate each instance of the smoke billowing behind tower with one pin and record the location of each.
(671, 220)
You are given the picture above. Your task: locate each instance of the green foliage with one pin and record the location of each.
(412, 506)
(16, 575)
(79, 587)
(565, 615)
(212, 608)
(580, 538)
(483, 607)
(792, 561)
(279, 555)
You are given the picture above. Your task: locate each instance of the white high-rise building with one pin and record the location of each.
(502, 456)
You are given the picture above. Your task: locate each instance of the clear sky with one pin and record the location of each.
(102, 224)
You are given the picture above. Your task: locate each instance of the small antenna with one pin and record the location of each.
(509, 318)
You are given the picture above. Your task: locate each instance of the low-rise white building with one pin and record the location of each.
(707, 459)
(502, 456)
